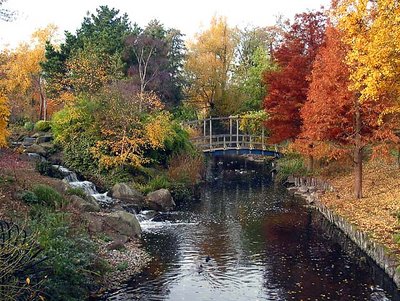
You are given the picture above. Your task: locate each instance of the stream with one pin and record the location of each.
(247, 239)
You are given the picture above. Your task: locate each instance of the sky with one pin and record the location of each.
(188, 16)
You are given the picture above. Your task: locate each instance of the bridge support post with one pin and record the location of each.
(205, 129)
(263, 138)
(210, 133)
(237, 132)
(230, 130)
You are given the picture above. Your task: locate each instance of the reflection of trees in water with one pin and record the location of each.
(250, 228)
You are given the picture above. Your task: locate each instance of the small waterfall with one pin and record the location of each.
(90, 189)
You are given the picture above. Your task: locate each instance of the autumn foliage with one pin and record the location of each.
(288, 86)
(4, 115)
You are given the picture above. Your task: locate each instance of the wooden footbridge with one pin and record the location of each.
(224, 136)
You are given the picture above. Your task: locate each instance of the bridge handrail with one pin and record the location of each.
(235, 139)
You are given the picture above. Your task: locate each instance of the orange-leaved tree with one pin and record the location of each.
(288, 85)
(334, 115)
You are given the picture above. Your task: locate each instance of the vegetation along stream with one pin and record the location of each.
(248, 239)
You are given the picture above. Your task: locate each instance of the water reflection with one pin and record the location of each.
(247, 239)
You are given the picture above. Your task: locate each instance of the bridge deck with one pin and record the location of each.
(237, 144)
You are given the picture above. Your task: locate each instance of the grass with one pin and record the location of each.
(291, 164)
(122, 266)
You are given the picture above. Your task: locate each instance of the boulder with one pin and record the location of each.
(115, 225)
(44, 139)
(47, 145)
(35, 157)
(28, 141)
(123, 223)
(123, 192)
(160, 200)
(85, 205)
(37, 149)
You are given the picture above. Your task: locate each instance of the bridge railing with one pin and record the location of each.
(230, 141)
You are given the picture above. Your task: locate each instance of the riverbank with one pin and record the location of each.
(87, 262)
(372, 222)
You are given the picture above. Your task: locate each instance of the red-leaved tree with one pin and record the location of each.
(288, 86)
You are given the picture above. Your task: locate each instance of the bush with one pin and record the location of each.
(77, 191)
(72, 259)
(47, 196)
(181, 192)
(42, 126)
(21, 271)
(29, 197)
(28, 126)
(186, 168)
(156, 183)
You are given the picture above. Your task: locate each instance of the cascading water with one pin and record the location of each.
(90, 189)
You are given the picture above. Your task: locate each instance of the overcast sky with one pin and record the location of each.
(186, 15)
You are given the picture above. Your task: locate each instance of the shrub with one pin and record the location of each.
(72, 259)
(181, 192)
(48, 196)
(77, 191)
(158, 182)
(28, 126)
(42, 126)
(186, 168)
(21, 276)
(29, 197)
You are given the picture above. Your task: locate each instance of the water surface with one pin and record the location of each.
(248, 239)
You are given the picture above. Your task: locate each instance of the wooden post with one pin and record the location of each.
(263, 138)
(237, 132)
(230, 130)
(210, 133)
(204, 130)
(251, 143)
(224, 142)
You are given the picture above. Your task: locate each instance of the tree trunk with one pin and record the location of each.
(358, 156)
(43, 101)
(398, 157)
(310, 163)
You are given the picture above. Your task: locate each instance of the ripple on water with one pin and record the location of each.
(263, 245)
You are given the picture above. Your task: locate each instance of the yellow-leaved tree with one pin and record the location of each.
(209, 61)
(127, 131)
(4, 115)
(22, 80)
(372, 32)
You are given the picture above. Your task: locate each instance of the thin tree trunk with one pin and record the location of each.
(43, 101)
(398, 157)
(310, 164)
(358, 156)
